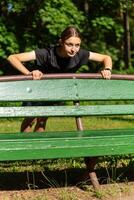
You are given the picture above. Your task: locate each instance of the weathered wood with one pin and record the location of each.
(66, 144)
(105, 98)
(70, 111)
(66, 89)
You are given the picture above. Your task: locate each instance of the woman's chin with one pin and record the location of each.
(71, 55)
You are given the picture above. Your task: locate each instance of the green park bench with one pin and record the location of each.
(67, 144)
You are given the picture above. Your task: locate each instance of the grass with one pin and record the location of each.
(108, 192)
(32, 168)
(57, 124)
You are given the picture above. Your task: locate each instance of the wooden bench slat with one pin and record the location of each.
(48, 111)
(90, 143)
(66, 89)
(105, 89)
(66, 134)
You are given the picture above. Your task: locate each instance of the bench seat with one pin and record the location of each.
(82, 97)
(49, 145)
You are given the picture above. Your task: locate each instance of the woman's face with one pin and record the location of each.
(71, 46)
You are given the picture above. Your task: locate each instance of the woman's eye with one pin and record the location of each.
(70, 45)
(77, 45)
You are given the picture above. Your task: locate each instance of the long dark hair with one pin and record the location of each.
(70, 31)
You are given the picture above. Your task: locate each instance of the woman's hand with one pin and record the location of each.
(37, 75)
(106, 73)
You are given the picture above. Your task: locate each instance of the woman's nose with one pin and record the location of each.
(73, 48)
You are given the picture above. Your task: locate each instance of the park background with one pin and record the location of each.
(107, 26)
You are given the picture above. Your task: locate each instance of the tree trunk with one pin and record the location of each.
(126, 39)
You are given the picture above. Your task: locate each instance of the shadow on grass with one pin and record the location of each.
(62, 178)
(120, 118)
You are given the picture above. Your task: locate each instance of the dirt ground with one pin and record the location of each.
(71, 193)
(62, 185)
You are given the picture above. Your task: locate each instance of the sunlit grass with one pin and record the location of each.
(63, 124)
(46, 167)
(60, 124)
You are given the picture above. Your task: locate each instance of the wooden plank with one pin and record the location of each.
(36, 90)
(66, 134)
(102, 142)
(66, 89)
(67, 148)
(105, 89)
(55, 111)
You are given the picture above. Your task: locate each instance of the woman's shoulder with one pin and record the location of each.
(47, 50)
(42, 50)
(83, 52)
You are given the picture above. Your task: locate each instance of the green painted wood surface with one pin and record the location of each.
(96, 110)
(66, 144)
(72, 143)
(66, 89)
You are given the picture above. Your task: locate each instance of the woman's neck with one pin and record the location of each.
(60, 52)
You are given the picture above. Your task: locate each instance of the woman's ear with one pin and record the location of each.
(60, 42)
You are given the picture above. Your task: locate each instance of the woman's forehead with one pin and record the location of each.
(73, 39)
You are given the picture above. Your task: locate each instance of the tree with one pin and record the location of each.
(107, 28)
(27, 24)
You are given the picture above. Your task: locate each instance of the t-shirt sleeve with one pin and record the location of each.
(84, 56)
(41, 56)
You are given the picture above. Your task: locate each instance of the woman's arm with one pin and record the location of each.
(17, 61)
(107, 62)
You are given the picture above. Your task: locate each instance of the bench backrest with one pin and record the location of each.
(113, 97)
(67, 90)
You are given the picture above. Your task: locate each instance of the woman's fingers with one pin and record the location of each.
(37, 75)
(106, 73)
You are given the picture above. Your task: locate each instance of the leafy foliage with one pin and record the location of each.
(55, 16)
(27, 24)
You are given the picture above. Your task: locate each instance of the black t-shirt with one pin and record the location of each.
(48, 61)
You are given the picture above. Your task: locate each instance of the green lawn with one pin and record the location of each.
(57, 124)
(66, 167)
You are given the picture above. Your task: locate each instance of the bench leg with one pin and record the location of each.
(90, 164)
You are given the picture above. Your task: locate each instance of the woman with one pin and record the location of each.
(66, 57)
